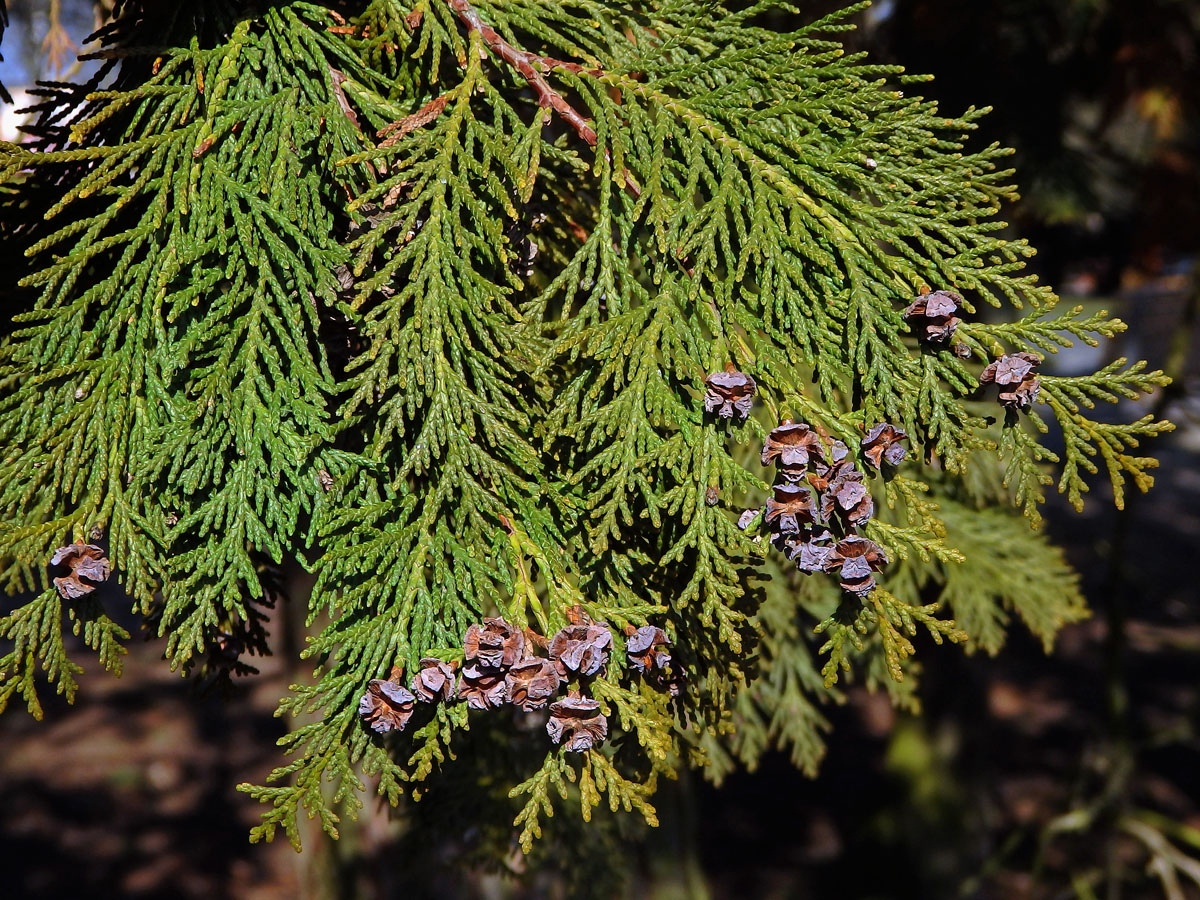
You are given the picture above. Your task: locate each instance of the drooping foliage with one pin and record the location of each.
(424, 295)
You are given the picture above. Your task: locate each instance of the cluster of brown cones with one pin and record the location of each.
(820, 500)
(934, 319)
(499, 666)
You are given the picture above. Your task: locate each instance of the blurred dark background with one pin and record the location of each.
(1071, 775)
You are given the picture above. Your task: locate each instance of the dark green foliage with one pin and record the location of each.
(287, 305)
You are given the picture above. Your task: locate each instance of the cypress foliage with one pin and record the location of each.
(425, 295)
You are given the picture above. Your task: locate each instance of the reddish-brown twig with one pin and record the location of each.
(523, 61)
(423, 116)
(527, 64)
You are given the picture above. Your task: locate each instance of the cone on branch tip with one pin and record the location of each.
(790, 446)
(933, 316)
(531, 683)
(87, 565)
(581, 649)
(577, 724)
(482, 687)
(789, 508)
(1016, 375)
(730, 394)
(647, 649)
(494, 645)
(434, 681)
(882, 445)
(386, 706)
(847, 498)
(855, 559)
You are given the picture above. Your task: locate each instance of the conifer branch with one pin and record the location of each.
(526, 64)
(297, 295)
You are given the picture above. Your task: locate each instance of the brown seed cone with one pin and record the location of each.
(789, 508)
(85, 561)
(855, 559)
(1022, 396)
(530, 684)
(494, 645)
(932, 316)
(1010, 369)
(647, 649)
(386, 706)
(434, 681)
(811, 555)
(824, 475)
(577, 723)
(848, 498)
(882, 444)
(791, 446)
(481, 687)
(1017, 378)
(581, 648)
(729, 394)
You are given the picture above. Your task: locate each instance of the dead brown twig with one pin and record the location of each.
(336, 79)
(423, 116)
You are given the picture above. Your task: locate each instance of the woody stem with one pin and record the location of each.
(522, 61)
